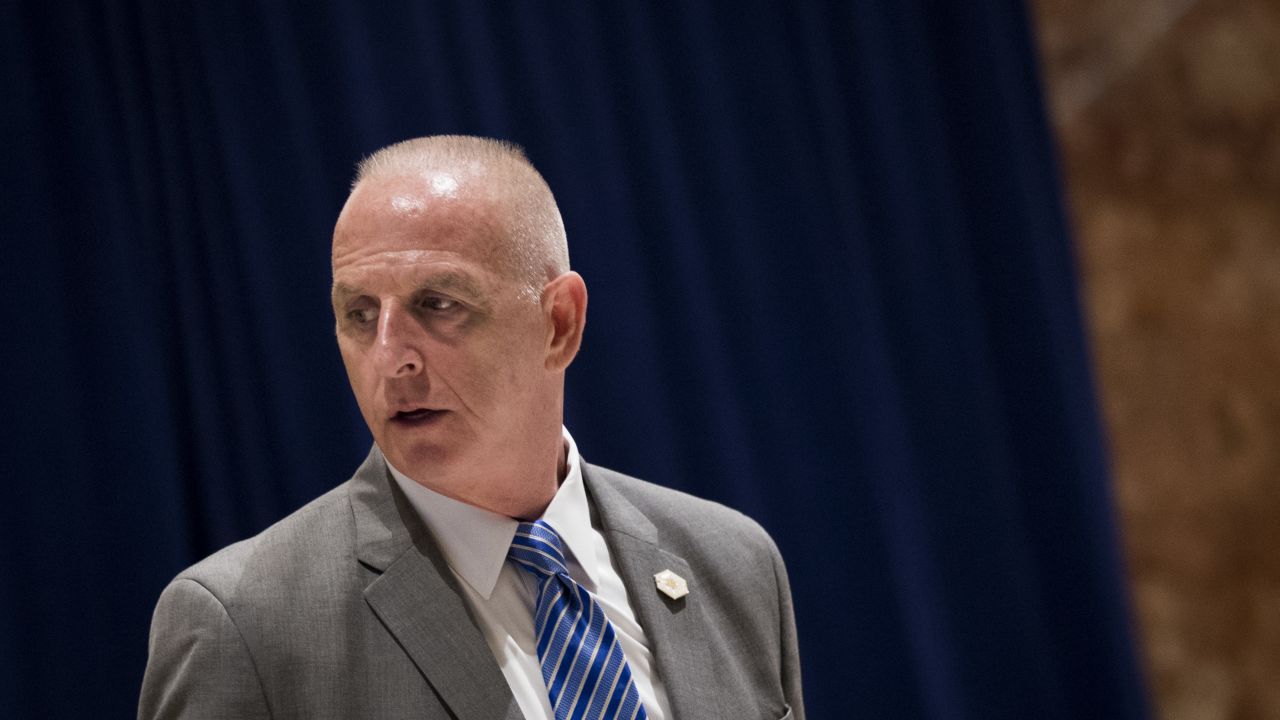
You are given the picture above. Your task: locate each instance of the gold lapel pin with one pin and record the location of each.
(671, 584)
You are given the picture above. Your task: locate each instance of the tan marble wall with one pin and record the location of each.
(1168, 115)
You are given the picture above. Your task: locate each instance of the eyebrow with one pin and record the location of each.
(341, 292)
(442, 281)
(449, 281)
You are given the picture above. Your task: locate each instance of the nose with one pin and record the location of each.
(397, 348)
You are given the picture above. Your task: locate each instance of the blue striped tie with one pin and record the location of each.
(582, 663)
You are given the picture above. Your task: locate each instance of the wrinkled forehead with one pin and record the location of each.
(444, 209)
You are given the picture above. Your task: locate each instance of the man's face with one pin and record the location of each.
(445, 353)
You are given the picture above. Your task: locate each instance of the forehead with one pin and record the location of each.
(439, 210)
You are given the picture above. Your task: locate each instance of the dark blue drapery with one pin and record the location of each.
(830, 286)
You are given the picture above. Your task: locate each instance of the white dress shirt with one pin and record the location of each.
(502, 597)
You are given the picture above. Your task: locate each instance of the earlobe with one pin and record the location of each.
(564, 305)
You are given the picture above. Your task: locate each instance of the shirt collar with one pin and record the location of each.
(474, 541)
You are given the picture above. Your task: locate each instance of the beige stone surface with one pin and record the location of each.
(1168, 117)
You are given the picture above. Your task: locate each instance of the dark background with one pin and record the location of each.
(831, 286)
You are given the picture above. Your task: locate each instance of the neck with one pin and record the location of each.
(532, 505)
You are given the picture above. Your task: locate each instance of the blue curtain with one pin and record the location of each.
(830, 283)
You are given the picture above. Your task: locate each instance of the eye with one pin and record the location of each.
(437, 303)
(362, 316)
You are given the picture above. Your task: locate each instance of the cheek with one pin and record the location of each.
(350, 361)
(473, 375)
(499, 371)
(359, 374)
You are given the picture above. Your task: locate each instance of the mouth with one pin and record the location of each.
(416, 417)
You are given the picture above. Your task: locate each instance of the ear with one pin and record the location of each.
(564, 307)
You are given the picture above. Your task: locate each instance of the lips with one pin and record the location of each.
(416, 416)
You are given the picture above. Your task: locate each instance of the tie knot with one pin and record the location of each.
(536, 547)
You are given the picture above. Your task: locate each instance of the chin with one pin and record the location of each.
(419, 459)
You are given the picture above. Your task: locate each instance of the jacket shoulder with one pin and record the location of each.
(688, 521)
(302, 548)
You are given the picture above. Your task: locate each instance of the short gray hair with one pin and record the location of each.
(539, 248)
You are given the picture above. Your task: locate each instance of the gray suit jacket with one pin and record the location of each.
(346, 609)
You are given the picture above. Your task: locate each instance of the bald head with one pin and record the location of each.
(491, 172)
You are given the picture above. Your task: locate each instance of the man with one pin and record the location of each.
(474, 567)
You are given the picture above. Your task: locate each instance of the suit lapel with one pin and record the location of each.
(675, 628)
(417, 599)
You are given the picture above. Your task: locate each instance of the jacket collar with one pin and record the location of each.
(418, 599)
(675, 629)
(442, 639)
